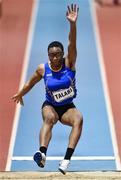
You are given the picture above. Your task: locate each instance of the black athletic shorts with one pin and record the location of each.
(59, 109)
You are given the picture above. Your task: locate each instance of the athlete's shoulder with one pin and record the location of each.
(40, 69)
(68, 65)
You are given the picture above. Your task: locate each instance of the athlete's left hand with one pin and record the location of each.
(72, 13)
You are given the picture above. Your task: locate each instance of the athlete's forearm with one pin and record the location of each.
(72, 35)
(26, 88)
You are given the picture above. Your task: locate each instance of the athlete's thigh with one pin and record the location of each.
(71, 116)
(49, 114)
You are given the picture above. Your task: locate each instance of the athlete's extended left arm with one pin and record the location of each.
(72, 15)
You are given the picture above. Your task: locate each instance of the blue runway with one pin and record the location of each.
(51, 24)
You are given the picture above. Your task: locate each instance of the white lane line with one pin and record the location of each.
(23, 78)
(85, 158)
(105, 86)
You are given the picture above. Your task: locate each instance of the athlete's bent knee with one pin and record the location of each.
(50, 119)
(79, 122)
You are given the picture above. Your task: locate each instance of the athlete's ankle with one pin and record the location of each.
(43, 149)
(69, 153)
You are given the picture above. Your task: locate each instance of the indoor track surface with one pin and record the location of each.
(26, 29)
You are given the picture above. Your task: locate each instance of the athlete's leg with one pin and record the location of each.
(73, 118)
(50, 117)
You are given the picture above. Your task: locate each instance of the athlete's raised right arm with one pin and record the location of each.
(36, 77)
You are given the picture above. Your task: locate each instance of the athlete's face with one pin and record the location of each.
(55, 55)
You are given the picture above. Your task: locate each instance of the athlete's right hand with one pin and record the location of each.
(18, 99)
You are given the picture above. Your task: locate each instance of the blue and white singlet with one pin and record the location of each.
(60, 86)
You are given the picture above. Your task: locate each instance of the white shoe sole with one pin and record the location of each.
(63, 172)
